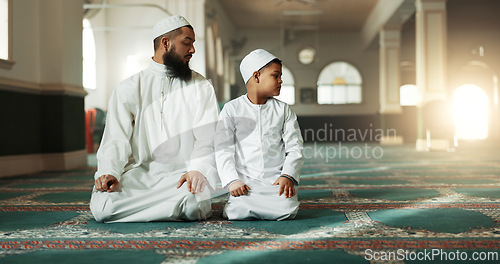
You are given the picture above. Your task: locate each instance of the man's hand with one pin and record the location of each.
(106, 183)
(195, 181)
(238, 188)
(286, 186)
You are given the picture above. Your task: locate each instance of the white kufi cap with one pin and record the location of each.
(253, 62)
(168, 24)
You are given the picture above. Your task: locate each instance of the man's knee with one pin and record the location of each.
(100, 207)
(197, 210)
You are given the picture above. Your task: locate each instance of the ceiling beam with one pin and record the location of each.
(386, 12)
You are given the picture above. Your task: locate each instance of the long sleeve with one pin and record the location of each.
(294, 157)
(115, 150)
(204, 123)
(225, 148)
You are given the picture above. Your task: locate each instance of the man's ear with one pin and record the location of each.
(165, 43)
(256, 76)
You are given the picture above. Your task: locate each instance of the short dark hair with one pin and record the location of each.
(170, 35)
(276, 60)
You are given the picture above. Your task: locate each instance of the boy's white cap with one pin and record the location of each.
(168, 24)
(253, 62)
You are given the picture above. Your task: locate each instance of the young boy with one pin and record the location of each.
(258, 145)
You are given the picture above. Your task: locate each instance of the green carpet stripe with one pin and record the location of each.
(395, 194)
(486, 192)
(283, 256)
(449, 220)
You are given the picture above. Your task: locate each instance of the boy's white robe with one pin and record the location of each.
(157, 129)
(256, 144)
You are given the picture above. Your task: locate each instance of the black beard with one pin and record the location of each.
(176, 67)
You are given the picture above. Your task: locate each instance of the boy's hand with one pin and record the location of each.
(286, 187)
(238, 188)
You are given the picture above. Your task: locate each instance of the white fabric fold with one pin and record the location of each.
(256, 144)
(158, 128)
(258, 141)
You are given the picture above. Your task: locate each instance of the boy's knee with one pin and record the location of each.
(267, 208)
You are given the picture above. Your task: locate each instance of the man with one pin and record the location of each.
(156, 159)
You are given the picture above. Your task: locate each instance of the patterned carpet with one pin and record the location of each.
(359, 203)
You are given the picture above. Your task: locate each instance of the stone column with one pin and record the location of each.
(60, 80)
(194, 12)
(389, 70)
(434, 118)
(390, 108)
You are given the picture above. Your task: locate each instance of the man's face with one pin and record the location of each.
(183, 44)
(179, 53)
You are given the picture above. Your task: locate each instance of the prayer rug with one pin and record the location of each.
(360, 203)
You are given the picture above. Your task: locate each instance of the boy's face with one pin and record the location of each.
(270, 80)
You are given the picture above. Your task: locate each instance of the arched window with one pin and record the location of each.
(6, 34)
(287, 93)
(339, 83)
(470, 112)
(4, 29)
(408, 95)
(89, 56)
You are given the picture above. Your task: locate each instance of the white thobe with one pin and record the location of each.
(257, 144)
(157, 129)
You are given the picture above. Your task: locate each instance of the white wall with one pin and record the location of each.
(98, 98)
(45, 42)
(124, 43)
(24, 52)
(116, 45)
(226, 32)
(330, 48)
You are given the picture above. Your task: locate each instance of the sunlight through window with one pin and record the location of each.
(339, 83)
(471, 112)
(89, 56)
(408, 95)
(4, 29)
(287, 93)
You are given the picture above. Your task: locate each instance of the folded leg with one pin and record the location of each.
(262, 203)
(163, 202)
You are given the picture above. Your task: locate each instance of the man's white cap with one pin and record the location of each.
(253, 62)
(168, 24)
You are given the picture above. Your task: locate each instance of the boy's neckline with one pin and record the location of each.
(257, 104)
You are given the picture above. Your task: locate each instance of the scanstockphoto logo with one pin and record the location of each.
(330, 143)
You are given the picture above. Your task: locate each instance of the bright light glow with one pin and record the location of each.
(471, 112)
(4, 29)
(408, 95)
(132, 65)
(287, 93)
(89, 56)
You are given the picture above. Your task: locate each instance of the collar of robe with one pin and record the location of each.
(160, 69)
(257, 106)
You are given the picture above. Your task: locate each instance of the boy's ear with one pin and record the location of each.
(256, 75)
